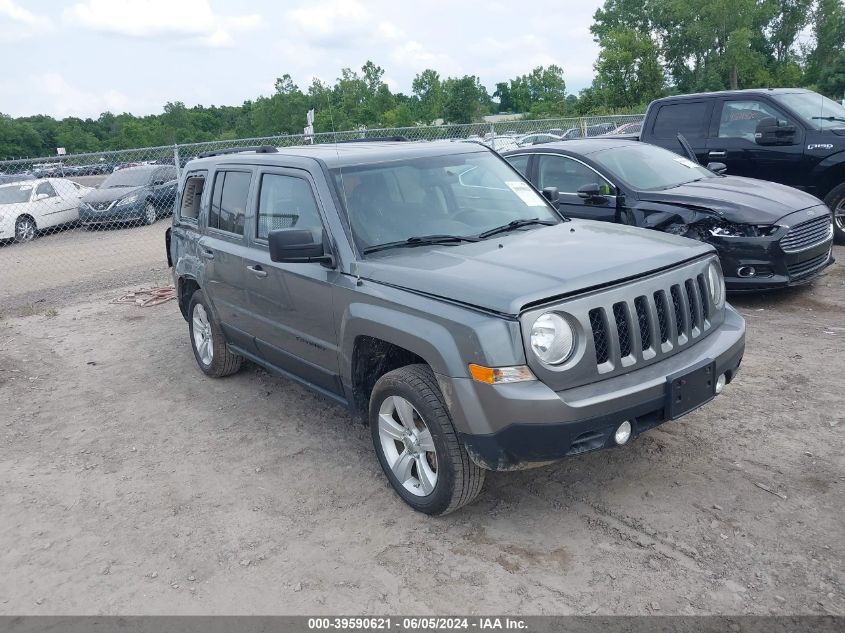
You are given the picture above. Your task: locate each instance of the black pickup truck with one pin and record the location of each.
(786, 135)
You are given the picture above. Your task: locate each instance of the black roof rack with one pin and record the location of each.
(258, 149)
(372, 139)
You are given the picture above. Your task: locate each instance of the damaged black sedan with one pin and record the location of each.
(767, 235)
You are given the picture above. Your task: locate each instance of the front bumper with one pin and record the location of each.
(7, 227)
(114, 215)
(773, 267)
(519, 425)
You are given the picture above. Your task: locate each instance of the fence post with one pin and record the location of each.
(177, 161)
(493, 135)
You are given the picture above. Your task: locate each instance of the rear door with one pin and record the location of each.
(569, 175)
(688, 117)
(52, 208)
(223, 247)
(290, 304)
(733, 141)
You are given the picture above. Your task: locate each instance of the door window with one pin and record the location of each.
(740, 118)
(45, 188)
(189, 207)
(228, 201)
(568, 175)
(519, 162)
(286, 202)
(689, 119)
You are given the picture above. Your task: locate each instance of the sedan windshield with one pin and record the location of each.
(647, 167)
(128, 178)
(12, 194)
(453, 196)
(816, 110)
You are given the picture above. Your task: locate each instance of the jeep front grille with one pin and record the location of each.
(807, 234)
(650, 325)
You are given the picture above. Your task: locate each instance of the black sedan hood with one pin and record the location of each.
(739, 200)
(506, 273)
(110, 194)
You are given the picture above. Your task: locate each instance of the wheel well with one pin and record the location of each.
(184, 292)
(833, 177)
(371, 359)
(28, 217)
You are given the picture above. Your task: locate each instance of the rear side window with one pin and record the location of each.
(286, 202)
(689, 119)
(228, 201)
(189, 206)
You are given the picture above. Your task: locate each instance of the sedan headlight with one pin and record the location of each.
(552, 338)
(127, 200)
(716, 284)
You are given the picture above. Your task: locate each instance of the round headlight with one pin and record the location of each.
(716, 282)
(552, 339)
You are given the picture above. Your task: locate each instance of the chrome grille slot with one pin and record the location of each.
(662, 317)
(598, 322)
(641, 306)
(807, 234)
(623, 328)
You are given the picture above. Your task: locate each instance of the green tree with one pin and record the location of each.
(832, 78)
(428, 90)
(464, 99)
(628, 70)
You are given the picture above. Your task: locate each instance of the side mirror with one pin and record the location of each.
(296, 246)
(717, 168)
(770, 132)
(590, 191)
(551, 194)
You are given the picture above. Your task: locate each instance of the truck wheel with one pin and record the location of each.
(836, 201)
(417, 445)
(213, 357)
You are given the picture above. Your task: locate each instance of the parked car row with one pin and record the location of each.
(130, 196)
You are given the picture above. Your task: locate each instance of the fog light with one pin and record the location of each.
(746, 271)
(623, 433)
(720, 384)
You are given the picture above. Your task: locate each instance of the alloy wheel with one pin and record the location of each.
(24, 230)
(202, 335)
(407, 445)
(839, 215)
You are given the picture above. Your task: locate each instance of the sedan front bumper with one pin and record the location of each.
(114, 215)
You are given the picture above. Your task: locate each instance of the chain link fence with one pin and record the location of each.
(98, 220)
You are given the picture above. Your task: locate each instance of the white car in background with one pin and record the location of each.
(30, 206)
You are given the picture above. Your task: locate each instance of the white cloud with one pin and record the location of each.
(193, 21)
(63, 99)
(17, 23)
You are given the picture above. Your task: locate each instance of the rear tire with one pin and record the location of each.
(835, 199)
(417, 445)
(150, 214)
(207, 341)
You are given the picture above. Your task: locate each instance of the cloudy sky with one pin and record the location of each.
(81, 57)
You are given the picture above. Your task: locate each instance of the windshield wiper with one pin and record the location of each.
(420, 240)
(514, 224)
(829, 118)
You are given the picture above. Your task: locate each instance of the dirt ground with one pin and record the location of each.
(132, 484)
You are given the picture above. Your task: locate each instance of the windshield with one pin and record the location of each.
(13, 194)
(128, 178)
(818, 111)
(649, 168)
(459, 195)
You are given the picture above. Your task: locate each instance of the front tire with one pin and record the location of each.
(836, 201)
(417, 445)
(25, 229)
(207, 342)
(150, 214)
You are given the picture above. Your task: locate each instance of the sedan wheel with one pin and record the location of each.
(408, 446)
(839, 215)
(24, 230)
(150, 215)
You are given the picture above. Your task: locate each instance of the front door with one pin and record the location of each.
(569, 175)
(733, 142)
(290, 304)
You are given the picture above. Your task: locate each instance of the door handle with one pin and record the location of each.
(207, 254)
(257, 270)
(717, 154)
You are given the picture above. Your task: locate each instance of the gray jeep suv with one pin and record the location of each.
(430, 288)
